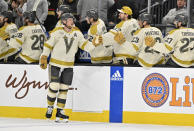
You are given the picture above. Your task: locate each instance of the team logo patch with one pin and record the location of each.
(155, 90)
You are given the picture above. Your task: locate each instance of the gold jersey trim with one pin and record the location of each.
(28, 58)
(145, 63)
(172, 31)
(101, 58)
(137, 31)
(119, 25)
(48, 46)
(19, 41)
(93, 28)
(3, 34)
(181, 61)
(135, 47)
(56, 29)
(21, 28)
(114, 33)
(84, 44)
(168, 47)
(125, 55)
(61, 62)
(7, 52)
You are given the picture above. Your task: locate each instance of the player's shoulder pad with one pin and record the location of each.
(137, 31)
(172, 31)
(56, 29)
(21, 28)
(76, 29)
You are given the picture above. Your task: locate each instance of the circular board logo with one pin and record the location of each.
(155, 90)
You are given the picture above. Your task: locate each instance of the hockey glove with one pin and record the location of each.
(43, 62)
(119, 38)
(150, 41)
(97, 41)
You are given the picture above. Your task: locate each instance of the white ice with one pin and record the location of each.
(14, 124)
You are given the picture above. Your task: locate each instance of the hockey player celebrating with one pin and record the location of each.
(179, 43)
(7, 30)
(63, 45)
(143, 41)
(122, 32)
(29, 39)
(101, 54)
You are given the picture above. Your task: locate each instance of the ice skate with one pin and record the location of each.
(61, 117)
(49, 112)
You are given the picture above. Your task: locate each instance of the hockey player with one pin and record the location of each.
(29, 39)
(100, 54)
(61, 10)
(7, 30)
(63, 44)
(179, 43)
(143, 41)
(122, 32)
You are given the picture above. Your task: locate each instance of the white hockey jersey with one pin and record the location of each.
(146, 55)
(181, 43)
(11, 29)
(100, 54)
(63, 46)
(59, 24)
(6, 32)
(30, 39)
(127, 28)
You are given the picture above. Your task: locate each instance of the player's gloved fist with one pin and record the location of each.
(97, 40)
(100, 39)
(43, 62)
(150, 41)
(119, 38)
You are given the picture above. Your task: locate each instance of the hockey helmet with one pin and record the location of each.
(92, 13)
(7, 14)
(30, 16)
(64, 9)
(145, 17)
(181, 18)
(66, 16)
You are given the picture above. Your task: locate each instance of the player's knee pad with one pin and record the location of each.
(54, 87)
(63, 91)
(64, 87)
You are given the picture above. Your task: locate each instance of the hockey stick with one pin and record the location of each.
(34, 13)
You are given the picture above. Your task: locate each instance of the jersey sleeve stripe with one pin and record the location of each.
(135, 47)
(4, 36)
(114, 33)
(19, 41)
(101, 58)
(168, 47)
(48, 46)
(7, 52)
(28, 58)
(125, 55)
(84, 44)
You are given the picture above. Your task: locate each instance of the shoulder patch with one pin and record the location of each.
(21, 28)
(137, 31)
(56, 29)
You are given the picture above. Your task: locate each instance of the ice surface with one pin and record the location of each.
(14, 124)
